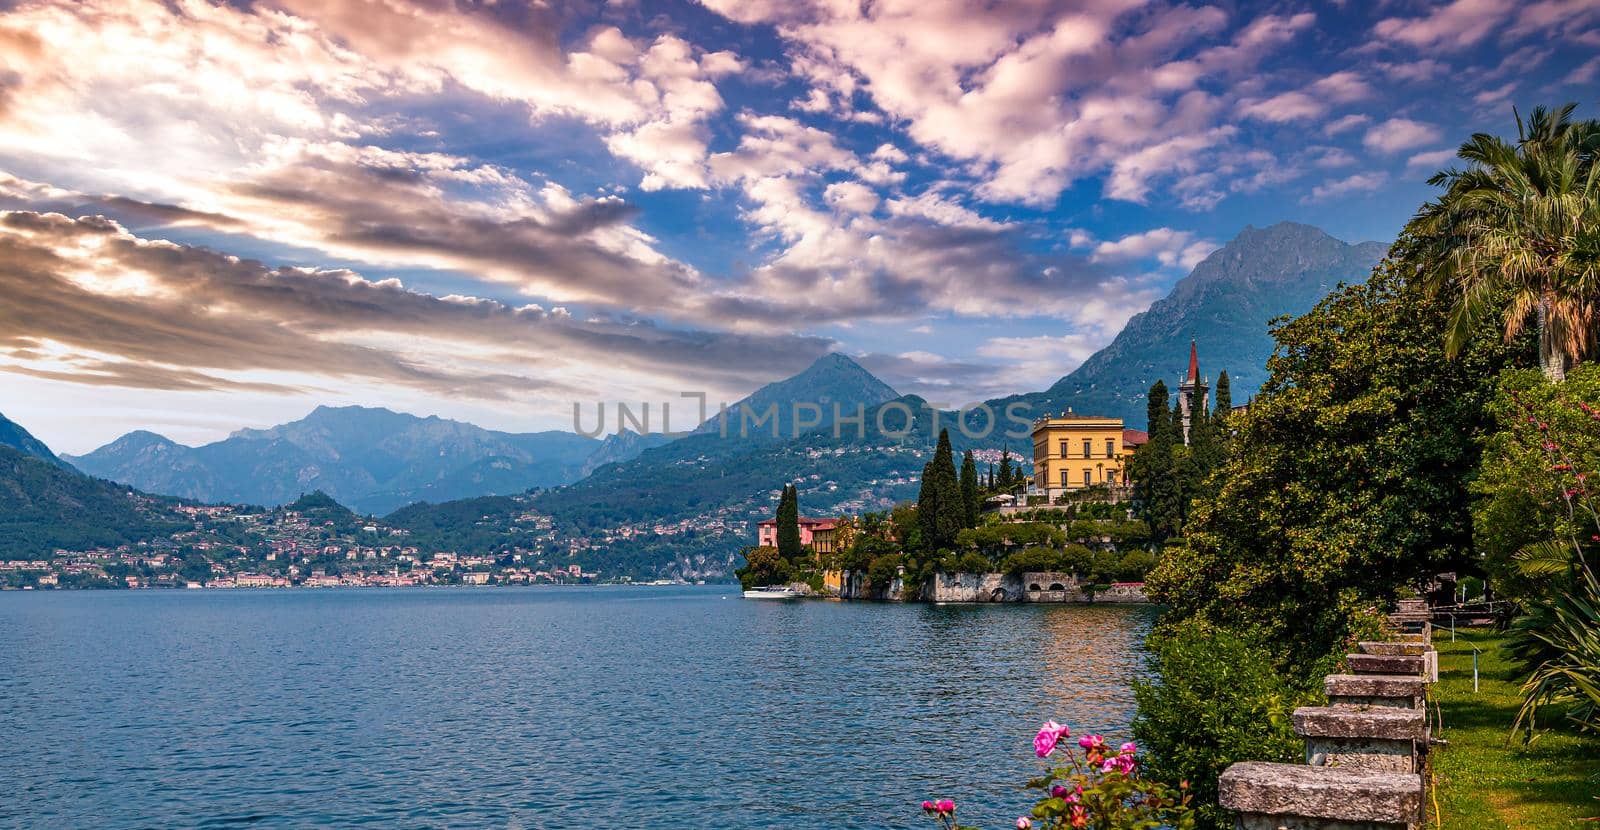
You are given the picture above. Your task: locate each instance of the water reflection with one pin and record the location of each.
(537, 708)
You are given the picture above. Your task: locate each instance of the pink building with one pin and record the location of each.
(818, 533)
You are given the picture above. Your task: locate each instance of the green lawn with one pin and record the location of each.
(1484, 781)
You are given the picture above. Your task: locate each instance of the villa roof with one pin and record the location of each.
(814, 524)
(1134, 437)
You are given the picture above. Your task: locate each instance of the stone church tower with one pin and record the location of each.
(1192, 392)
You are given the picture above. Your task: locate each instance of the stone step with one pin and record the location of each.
(1371, 738)
(1391, 647)
(1385, 664)
(1270, 796)
(1411, 605)
(1405, 691)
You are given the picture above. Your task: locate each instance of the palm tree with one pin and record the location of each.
(1520, 226)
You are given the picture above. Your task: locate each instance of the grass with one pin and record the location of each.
(1486, 777)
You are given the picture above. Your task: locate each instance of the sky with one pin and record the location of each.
(221, 215)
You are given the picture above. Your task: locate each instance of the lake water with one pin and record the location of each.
(537, 708)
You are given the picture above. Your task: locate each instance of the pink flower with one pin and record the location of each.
(927, 806)
(1130, 748)
(1024, 823)
(1058, 791)
(1049, 735)
(946, 807)
(1080, 818)
(1092, 742)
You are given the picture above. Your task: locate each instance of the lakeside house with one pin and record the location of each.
(1072, 452)
(818, 533)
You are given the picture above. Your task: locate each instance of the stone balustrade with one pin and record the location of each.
(1366, 751)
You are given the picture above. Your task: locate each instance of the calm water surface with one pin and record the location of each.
(537, 708)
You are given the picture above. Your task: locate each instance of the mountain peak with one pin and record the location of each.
(1223, 305)
(832, 379)
(14, 436)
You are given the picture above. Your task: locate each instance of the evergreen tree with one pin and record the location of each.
(789, 524)
(1221, 431)
(969, 490)
(950, 515)
(1224, 398)
(1155, 470)
(928, 506)
(990, 488)
(1006, 480)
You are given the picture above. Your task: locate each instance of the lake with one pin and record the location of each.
(666, 707)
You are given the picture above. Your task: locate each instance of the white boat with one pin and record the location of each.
(772, 592)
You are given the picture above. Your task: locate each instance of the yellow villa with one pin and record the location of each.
(1071, 452)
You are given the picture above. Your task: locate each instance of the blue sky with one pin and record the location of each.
(222, 215)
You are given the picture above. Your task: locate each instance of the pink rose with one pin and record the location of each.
(1129, 748)
(947, 806)
(1024, 823)
(1049, 735)
(927, 806)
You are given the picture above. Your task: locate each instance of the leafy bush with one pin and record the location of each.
(1217, 700)
(1033, 560)
(973, 563)
(1104, 788)
(764, 566)
(1134, 565)
(1557, 642)
(883, 571)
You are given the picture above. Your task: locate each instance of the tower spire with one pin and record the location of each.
(1194, 363)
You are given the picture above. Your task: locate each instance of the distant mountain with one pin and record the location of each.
(621, 446)
(44, 506)
(833, 380)
(686, 507)
(14, 436)
(1223, 306)
(374, 460)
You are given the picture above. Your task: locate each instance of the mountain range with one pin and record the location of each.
(1223, 306)
(650, 504)
(14, 436)
(374, 460)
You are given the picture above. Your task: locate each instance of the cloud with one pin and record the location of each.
(1431, 161)
(1454, 25)
(1357, 183)
(1346, 123)
(1032, 97)
(1461, 24)
(89, 297)
(1397, 134)
(1169, 247)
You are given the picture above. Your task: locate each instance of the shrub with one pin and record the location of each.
(1032, 560)
(764, 566)
(1217, 700)
(973, 563)
(1134, 565)
(1103, 788)
(883, 571)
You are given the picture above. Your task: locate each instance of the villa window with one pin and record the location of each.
(1111, 448)
(1065, 482)
(1088, 477)
(1087, 453)
(1063, 449)
(1111, 477)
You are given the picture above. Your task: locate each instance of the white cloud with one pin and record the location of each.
(1399, 134)
(1431, 161)
(1358, 183)
(1167, 246)
(1345, 123)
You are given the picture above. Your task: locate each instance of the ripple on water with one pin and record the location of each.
(537, 708)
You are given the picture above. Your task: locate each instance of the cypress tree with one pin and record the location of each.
(789, 524)
(969, 490)
(1005, 471)
(949, 516)
(1224, 398)
(928, 506)
(1155, 468)
(990, 488)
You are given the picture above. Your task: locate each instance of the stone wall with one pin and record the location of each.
(993, 587)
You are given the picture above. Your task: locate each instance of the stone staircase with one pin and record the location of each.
(1366, 751)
